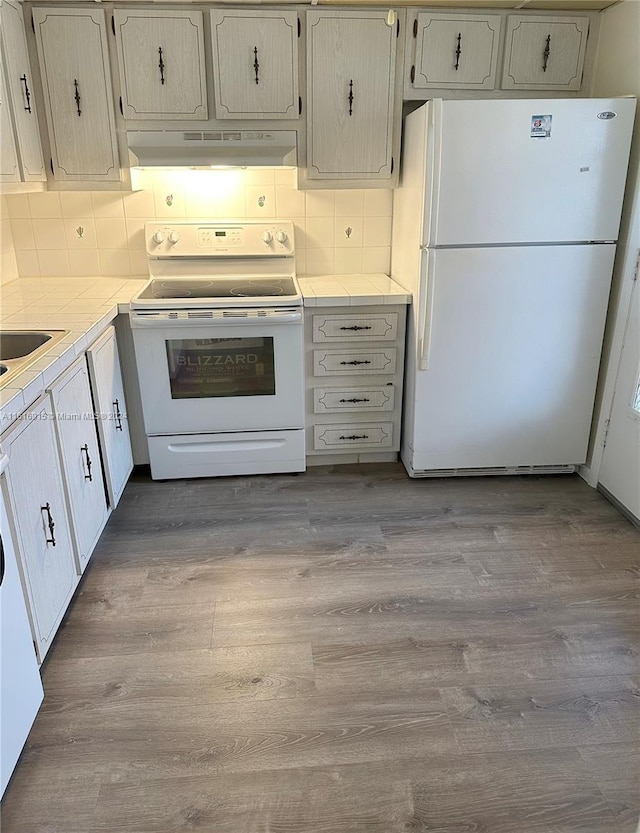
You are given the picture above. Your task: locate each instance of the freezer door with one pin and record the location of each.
(525, 171)
(510, 339)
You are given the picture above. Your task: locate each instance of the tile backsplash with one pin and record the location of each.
(8, 263)
(80, 233)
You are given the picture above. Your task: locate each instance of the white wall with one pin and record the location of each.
(89, 233)
(617, 72)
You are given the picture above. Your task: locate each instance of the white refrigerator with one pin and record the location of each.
(504, 230)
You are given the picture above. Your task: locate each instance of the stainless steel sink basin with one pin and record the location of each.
(18, 344)
(20, 348)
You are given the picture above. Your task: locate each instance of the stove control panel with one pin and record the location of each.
(197, 238)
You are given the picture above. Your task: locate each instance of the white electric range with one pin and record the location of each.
(218, 335)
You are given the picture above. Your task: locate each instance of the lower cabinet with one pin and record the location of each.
(37, 506)
(355, 366)
(84, 484)
(110, 407)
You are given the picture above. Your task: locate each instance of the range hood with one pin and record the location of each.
(204, 148)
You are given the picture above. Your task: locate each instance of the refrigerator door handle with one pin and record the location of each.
(425, 312)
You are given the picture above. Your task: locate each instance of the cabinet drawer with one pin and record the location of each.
(353, 435)
(353, 362)
(349, 327)
(335, 400)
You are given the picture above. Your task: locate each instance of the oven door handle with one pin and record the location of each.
(164, 319)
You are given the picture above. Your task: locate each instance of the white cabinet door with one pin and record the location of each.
(456, 51)
(76, 428)
(544, 53)
(20, 90)
(255, 63)
(74, 64)
(161, 63)
(9, 169)
(39, 513)
(110, 406)
(351, 79)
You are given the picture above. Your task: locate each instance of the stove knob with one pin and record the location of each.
(281, 236)
(267, 237)
(158, 237)
(173, 237)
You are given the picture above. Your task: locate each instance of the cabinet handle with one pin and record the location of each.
(355, 437)
(256, 65)
(458, 51)
(350, 97)
(47, 508)
(354, 400)
(88, 476)
(161, 65)
(546, 53)
(355, 328)
(77, 96)
(116, 405)
(2, 562)
(355, 362)
(27, 93)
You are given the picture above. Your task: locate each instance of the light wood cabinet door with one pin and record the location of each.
(351, 79)
(20, 90)
(78, 439)
(544, 53)
(9, 168)
(39, 513)
(74, 64)
(109, 402)
(255, 64)
(455, 51)
(161, 63)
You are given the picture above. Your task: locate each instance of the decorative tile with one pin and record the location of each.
(348, 232)
(80, 233)
(260, 201)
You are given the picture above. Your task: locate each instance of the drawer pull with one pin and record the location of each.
(47, 508)
(118, 415)
(355, 437)
(355, 328)
(356, 362)
(354, 400)
(85, 449)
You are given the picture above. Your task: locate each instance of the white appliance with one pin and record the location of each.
(504, 230)
(218, 336)
(20, 686)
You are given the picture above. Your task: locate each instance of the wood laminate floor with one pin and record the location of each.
(345, 651)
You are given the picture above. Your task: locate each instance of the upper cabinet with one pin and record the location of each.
(351, 70)
(544, 53)
(161, 63)
(19, 94)
(455, 51)
(9, 169)
(74, 64)
(255, 63)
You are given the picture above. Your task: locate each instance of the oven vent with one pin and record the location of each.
(233, 313)
(203, 313)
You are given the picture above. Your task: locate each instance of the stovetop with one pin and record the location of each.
(217, 288)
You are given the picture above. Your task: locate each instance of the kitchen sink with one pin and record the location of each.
(18, 344)
(20, 348)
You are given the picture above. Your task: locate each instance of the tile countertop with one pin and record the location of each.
(86, 306)
(83, 306)
(351, 290)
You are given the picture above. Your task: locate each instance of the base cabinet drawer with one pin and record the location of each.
(352, 327)
(354, 362)
(353, 435)
(337, 400)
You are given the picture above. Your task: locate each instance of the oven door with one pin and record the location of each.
(233, 372)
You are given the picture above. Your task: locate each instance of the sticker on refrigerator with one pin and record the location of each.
(540, 127)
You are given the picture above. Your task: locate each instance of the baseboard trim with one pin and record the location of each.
(619, 506)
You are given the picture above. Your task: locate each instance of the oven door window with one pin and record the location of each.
(205, 368)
